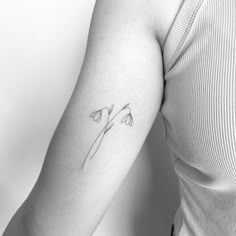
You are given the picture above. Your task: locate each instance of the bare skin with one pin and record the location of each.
(122, 65)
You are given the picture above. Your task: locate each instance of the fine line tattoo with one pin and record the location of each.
(97, 116)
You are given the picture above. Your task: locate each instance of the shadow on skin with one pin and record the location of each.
(161, 199)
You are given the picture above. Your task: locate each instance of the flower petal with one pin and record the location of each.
(93, 114)
(128, 120)
(99, 119)
(97, 115)
(131, 122)
(124, 118)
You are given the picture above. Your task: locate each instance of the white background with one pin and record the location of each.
(42, 44)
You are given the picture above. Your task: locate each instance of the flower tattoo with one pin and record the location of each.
(127, 119)
(97, 116)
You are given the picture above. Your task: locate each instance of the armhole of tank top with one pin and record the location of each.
(179, 30)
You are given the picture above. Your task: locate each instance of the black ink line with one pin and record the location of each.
(106, 128)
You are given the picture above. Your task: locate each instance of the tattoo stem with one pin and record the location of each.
(102, 132)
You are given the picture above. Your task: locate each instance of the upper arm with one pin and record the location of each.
(122, 65)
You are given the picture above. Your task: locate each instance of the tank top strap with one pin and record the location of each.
(179, 30)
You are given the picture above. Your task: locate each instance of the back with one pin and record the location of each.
(199, 115)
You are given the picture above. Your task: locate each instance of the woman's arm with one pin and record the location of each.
(113, 106)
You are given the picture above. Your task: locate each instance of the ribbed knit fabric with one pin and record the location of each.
(199, 113)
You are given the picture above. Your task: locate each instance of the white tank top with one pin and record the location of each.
(199, 113)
